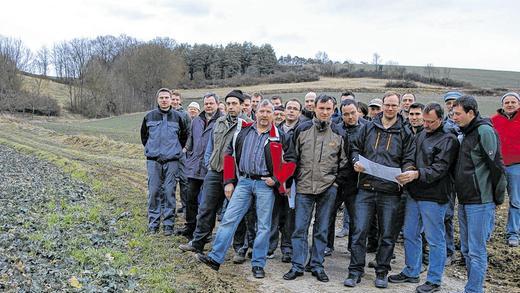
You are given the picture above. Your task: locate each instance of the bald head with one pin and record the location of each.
(310, 97)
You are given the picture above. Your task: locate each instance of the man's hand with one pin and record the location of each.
(269, 181)
(358, 167)
(287, 192)
(407, 177)
(228, 190)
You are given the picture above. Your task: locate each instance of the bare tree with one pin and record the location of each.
(376, 60)
(431, 72)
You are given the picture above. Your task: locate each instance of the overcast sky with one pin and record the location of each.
(467, 34)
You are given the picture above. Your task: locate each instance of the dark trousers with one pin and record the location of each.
(281, 223)
(213, 197)
(344, 196)
(366, 204)
(180, 176)
(192, 203)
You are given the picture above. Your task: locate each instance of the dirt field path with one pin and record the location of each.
(335, 267)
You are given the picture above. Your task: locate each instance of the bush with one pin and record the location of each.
(401, 84)
(27, 103)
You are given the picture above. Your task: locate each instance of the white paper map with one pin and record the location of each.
(378, 170)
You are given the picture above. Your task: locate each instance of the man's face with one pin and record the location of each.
(390, 107)
(233, 106)
(164, 100)
(292, 111)
(264, 116)
(222, 108)
(176, 101)
(276, 102)
(193, 112)
(510, 105)
(462, 118)
(406, 101)
(373, 111)
(415, 116)
(309, 104)
(279, 116)
(431, 121)
(246, 107)
(210, 105)
(324, 110)
(449, 105)
(350, 115)
(254, 101)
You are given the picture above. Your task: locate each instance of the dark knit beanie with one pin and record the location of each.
(237, 94)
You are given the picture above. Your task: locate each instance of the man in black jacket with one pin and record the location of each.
(384, 140)
(429, 187)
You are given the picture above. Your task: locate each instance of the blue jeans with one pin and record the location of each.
(304, 205)
(235, 212)
(161, 192)
(513, 190)
(366, 204)
(475, 228)
(430, 216)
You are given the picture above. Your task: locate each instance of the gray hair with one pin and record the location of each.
(265, 103)
(207, 95)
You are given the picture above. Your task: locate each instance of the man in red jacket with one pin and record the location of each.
(507, 124)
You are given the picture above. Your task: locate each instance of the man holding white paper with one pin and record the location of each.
(384, 140)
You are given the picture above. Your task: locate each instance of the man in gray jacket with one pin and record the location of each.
(164, 135)
(320, 155)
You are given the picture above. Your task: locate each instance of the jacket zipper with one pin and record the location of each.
(377, 140)
(388, 143)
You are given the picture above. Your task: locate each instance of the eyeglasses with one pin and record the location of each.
(292, 108)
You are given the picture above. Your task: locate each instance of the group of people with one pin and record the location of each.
(278, 164)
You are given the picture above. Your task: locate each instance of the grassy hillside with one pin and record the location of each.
(481, 78)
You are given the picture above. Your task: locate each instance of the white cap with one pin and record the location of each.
(194, 105)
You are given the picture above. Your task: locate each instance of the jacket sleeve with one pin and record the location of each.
(183, 130)
(358, 144)
(287, 166)
(229, 175)
(408, 162)
(445, 157)
(209, 150)
(343, 163)
(489, 145)
(189, 142)
(144, 132)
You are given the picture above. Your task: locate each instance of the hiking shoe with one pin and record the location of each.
(428, 287)
(402, 278)
(292, 274)
(239, 257)
(258, 272)
(512, 242)
(207, 261)
(189, 247)
(381, 280)
(321, 276)
(352, 280)
(270, 255)
(168, 231)
(286, 257)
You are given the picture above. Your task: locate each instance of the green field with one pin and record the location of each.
(477, 77)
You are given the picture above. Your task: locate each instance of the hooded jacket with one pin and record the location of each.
(435, 157)
(200, 133)
(508, 130)
(480, 172)
(392, 147)
(320, 156)
(164, 135)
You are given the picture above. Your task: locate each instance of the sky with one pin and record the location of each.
(464, 34)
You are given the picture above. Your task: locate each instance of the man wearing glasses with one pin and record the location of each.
(384, 140)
